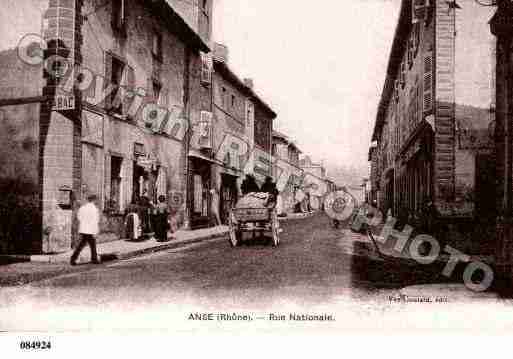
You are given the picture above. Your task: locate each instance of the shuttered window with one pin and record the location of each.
(403, 74)
(428, 83)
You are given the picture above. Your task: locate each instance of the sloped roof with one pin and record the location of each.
(177, 24)
(394, 62)
(224, 70)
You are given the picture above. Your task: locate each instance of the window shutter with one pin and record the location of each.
(206, 69)
(416, 39)
(418, 10)
(206, 129)
(107, 80)
(128, 84)
(428, 83)
(403, 74)
(410, 51)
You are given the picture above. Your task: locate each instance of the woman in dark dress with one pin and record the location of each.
(249, 185)
(161, 219)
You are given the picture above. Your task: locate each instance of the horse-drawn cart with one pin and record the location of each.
(253, 214)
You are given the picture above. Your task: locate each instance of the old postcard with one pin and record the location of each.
(210, 166)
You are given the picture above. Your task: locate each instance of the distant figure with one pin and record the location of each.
(89, 226)
(145, 211)
(249, 185)
(133, 223)
(308, 203)
(270, 187)
(160, 219)
(215, 205)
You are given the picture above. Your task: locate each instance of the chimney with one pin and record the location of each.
(248, 83)
(221, 52)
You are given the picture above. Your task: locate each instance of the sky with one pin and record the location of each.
(321, 65)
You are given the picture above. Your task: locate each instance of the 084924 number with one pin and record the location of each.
(35, 345)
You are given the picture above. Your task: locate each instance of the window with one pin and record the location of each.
(403, 74)
(233, 101)
(115, 184)
(118, 14)
(118, 67)
(206, 69)
(223, 96)
(198, 194)
(156, 49)
(428, 84)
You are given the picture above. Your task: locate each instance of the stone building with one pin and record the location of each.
(239, 115)
(501, 26)
(287, 152)
(314, 182)
(434, 126)
(374, 179)
(104, 108)
(233, 121)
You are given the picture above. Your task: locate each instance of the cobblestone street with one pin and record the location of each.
(316, 269)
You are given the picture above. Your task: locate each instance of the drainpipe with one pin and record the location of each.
(187, 112)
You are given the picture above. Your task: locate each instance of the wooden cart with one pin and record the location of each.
(253, 220)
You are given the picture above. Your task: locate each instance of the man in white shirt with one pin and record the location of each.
(89, 218)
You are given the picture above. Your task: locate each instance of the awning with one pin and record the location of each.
(196, 154)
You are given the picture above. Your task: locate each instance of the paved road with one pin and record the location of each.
(316, 269)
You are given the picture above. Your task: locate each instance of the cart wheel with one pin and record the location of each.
(274, 229)
(233, 231)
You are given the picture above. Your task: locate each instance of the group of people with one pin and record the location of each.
(146, 220)
(143, 220)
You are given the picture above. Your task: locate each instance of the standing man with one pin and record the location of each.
(89, 219)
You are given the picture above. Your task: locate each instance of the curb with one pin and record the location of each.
(111, 256)
(15, 258)
(161, 247)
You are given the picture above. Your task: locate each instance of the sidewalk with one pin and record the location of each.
(399, 270)
(387, 249)
(123, 249)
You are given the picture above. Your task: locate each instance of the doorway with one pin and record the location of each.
(200, 201)
(229, 195)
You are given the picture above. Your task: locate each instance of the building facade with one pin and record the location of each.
(107, 107)
(239, 117)
(233, 121)
(286, 151)
(313, 175)
(501, 26)
(434, 127)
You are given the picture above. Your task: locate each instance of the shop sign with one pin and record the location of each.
(139, 149)
(63, 102)
(176, 198)
(92, 128)
(147, 163)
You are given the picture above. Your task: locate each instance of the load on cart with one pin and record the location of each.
(255, 212)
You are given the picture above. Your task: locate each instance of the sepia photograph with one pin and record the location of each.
(255, 166)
